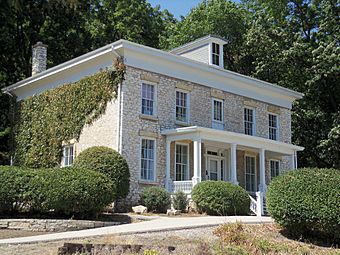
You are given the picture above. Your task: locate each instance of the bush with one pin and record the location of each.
(307, 202)
(180, 201)
(108, 162)
(220, 198)
(64, 192)
(156, 199)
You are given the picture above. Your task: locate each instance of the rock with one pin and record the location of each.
(140, 209)
(171, 212)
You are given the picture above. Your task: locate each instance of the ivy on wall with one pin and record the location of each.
(44, 121)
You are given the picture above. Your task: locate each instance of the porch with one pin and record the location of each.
(195, 154)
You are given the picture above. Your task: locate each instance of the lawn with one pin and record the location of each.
(234, 239)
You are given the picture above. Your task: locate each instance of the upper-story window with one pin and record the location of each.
(148, 99)
(148, 155)
(68, 155)
(217, 113)
(182, 106)
(215, 54)
(249, 121)
(273, 126)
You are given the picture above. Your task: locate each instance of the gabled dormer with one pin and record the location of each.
(208, 49)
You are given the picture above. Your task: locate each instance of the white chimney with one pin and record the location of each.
(39, 58)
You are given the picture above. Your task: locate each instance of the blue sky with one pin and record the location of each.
(177, 7)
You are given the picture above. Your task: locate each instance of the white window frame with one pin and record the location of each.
(245, 173)
(187, 107)
(188, 163)
(270, 168)
(154, 159)
(154, 105)
(218, 124)
(212, 54)
(67, 160)
(254, 121)
(277, 126)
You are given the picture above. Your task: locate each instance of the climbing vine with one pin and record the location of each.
(44, 121)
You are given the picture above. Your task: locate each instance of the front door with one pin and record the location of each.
(215, 169)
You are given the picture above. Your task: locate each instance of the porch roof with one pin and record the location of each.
(195, 132)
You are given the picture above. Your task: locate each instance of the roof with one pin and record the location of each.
(199, 42)
(158, 61)
(195, 132)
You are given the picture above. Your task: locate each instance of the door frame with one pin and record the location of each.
(217, 157)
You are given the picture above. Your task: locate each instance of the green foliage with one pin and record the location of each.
(156, 199)
(65, 192)
(306, 202)
(108, 162)
(46, 120)
(220, 198)
(180, 201)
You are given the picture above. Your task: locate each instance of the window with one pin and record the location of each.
(249, 121)
(148, 99)
(250, 174)
(182, 162)
(182, 109)
(148, 159)
(217, 112)
(273, 126)
(274, 168)
(215, 54)
(68, 155)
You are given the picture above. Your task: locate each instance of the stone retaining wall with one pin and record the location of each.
(51, 225)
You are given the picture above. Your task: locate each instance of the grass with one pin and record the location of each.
(227, 239)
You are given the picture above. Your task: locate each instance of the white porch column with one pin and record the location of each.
(233, 170)
(167, 172)
(197, 162)
(262, 186)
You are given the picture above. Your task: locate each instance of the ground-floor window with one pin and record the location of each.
(274, 168)
(68, 155)
(147, 159)
(182, 162)
(250, 171)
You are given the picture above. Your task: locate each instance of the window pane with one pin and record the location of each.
(181, 162)
(181, 106)
(250, 174)
(147, 159)
(148, 99)
(248, 121)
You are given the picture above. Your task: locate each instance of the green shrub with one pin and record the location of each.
(108, 162)
(307, 202)
(220, 198)
(65, 191)
(156, 199)
(180, 201)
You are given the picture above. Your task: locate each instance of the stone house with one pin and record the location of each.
(180, 117)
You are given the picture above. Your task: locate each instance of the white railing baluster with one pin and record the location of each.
(184, 186)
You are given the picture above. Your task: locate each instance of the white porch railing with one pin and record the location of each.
(184, 186)
(256, 206)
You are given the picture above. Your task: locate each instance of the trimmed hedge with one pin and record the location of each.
(108, 162)
(156, 199)
(307, 202)
(220, 198)
(60, 191)
(180, 201)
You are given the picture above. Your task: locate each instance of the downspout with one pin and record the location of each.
(119, 122)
